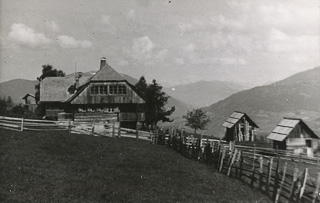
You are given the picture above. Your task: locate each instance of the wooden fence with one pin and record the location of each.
(84, 127)
(272, 175)
(21, 124)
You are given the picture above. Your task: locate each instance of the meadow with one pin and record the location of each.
(63, 167)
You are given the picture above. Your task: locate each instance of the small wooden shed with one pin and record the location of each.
(239, 127)
(294, 134)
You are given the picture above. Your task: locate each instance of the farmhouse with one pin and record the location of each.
(106, 95)
(239, 127)
(294, 134)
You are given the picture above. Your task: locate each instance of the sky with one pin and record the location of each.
(250, 42)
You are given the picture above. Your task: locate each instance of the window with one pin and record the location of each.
(122, 89)
(101, 89)
(113, 89)
(105, 89)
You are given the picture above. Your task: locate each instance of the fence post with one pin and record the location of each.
(270, 162)
(119, 130)
(21, 124)
(241, 167)
(281, 184)
(316, 191)
(275, 186)
(253, 165)
(261, 173)
(303, 183)
(222, 158)
(237, 164)
(113, 129)
(137, 131)
(294, 181)
(232, 161)
(92, 129)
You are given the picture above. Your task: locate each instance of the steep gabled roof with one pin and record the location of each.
(235, 117)
(285, 127)
(107, 73)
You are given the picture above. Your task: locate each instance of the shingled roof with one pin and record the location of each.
(235, 117)
(107, 73)
(55, 89)
(285, 127)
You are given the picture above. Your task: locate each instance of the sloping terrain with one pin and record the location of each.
(296, 96)
(62, 167)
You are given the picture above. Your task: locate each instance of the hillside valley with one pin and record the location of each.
(297, 96)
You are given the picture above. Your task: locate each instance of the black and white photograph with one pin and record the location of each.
(174, 101)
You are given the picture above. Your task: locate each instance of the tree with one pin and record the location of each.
(155, 100)
(196, 119)
(9, 101)
(3, 106)
(47, 71)
(142, 86)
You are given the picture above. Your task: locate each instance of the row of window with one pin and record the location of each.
(108, 89)
(105, 110)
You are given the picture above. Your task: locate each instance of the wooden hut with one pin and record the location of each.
(29, 102)
(294, 134)
(239, 127)
(104, 95)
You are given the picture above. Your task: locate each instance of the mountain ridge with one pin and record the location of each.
(296, 96)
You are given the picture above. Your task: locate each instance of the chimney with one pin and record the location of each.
(78, 75)
(103, 62)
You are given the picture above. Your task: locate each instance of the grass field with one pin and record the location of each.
(62, 167)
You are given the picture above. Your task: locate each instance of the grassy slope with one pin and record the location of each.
(61, 167)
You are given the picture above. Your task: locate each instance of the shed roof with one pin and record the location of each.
(284, 128)
(27, 95)
(235, 117)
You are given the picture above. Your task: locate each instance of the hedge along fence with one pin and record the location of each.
(21, 124)
(271, 175)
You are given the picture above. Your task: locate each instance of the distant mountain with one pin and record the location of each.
(17, 88)
(297, 96)
(203, 93)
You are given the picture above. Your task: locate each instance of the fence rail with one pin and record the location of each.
(21, 124)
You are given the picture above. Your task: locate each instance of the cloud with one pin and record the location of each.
(53, 26)
(179, 61)
(24, 35)
(279, 42)
(65, 41)
(225, 24)
(162, 54)
(122, 62)
(142, 45)
(105, 19)
(189, 48)
(131, 14)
